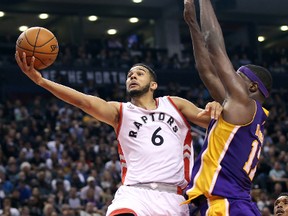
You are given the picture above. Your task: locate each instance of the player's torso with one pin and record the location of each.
(152, 143)
(228, 163)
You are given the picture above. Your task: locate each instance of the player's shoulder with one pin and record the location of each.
(177, 99)
(179, 102)
(116, 104)
(173, 98)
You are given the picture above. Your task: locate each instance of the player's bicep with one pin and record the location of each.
(190, 112)
(107, 112)
(208, 73)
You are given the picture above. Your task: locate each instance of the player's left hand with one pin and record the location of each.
(28, 68)
(213, 109)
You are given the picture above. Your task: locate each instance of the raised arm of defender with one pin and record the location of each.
(214, 65)
(213, 35)
(206, 69)
(237, 93)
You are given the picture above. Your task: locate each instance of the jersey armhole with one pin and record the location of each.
(180, 113)
(120, 119)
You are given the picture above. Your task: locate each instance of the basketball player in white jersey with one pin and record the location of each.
(154, 140)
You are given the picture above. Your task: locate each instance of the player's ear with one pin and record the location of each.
(253, 87)
(153, 85)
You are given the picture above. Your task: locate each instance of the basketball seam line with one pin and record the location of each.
(36, 40)
(36, 51)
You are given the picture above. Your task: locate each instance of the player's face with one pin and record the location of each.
(281, 206)
(138, 81)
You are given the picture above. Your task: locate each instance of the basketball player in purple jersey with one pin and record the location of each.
(222, 174)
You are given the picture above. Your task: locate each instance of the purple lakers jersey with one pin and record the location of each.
(228, 160)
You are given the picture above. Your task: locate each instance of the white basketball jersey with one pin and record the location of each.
(154, 145)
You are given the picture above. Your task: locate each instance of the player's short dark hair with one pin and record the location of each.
(263, 74)
(283, 194)
(151, 71)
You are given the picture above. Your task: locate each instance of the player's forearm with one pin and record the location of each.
(64, 93)
(210, 27)
(204, 65)
(200, 51)
(215, 42)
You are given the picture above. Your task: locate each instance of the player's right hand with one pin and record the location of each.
(29, 70)
(189, 11)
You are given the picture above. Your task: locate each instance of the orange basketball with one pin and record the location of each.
(40, 43)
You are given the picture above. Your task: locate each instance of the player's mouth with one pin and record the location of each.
(279, 212)
(132, 85)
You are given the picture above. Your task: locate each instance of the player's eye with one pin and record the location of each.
(129, 75)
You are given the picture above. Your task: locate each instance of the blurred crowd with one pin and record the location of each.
(56, 160)
(121, 53)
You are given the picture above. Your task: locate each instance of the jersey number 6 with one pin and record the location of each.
(157, 139)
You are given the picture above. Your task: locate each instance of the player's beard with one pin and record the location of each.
(140, 92)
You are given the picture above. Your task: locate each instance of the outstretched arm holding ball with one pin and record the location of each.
(107, 112)
(40, 43)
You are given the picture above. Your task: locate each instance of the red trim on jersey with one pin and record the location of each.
(179, 190)
(188, 141)
(180, 113)
(122, 160)
(122, 211)
(120, 152)
(156, 102)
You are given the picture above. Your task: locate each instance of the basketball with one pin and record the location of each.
(40, 43)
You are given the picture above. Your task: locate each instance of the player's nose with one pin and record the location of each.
(279, 206)
(133, 76)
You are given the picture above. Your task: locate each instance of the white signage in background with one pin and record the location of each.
(79, 77)
(51, 74)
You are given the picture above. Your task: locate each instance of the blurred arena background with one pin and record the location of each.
(51, 152)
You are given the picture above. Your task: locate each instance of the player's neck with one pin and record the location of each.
(257, 97)
(148, 103)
